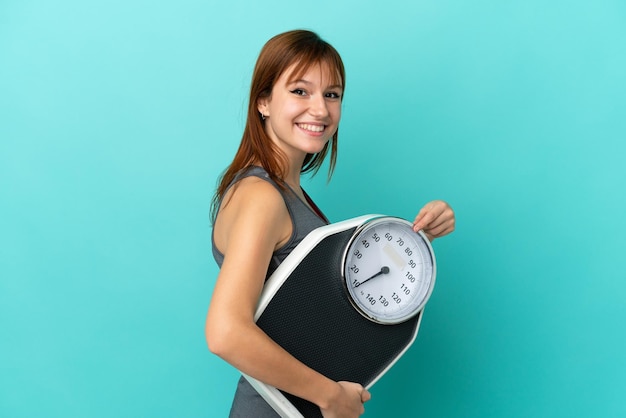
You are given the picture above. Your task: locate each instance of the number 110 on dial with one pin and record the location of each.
(389, 270)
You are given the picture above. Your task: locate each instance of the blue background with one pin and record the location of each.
(117, 117)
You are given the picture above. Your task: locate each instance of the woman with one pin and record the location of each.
(260, 213)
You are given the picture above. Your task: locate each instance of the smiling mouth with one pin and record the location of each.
(312, 128)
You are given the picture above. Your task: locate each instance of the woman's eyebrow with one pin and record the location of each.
(301, 80)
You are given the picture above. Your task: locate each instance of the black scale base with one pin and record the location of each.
(312, 318)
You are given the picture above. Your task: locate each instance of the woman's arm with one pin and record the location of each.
(254, 223)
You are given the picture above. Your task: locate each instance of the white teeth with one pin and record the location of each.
(313, 128)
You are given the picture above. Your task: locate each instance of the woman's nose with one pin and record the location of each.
(318, 106)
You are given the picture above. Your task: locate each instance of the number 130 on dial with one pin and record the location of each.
(388, 270)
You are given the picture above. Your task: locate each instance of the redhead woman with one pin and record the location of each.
(260, 213)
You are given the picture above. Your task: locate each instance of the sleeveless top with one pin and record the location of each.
(247, 402)
(303, 219)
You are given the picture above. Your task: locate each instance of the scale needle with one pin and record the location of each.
(383, 270)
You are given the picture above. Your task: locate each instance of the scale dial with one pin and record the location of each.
(388, 270)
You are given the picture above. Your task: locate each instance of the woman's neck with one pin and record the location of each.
(292, 176)
(293, 180)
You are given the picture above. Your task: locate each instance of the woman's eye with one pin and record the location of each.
(299, 92)
(333, 95)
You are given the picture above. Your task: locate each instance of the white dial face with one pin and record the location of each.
(389, 270)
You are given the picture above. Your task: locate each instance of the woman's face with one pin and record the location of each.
(302, 114)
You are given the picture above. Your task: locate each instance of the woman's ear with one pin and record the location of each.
(262, 106)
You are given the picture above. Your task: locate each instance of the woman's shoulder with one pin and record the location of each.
(256, 207)
(254, 190)
(251, 186)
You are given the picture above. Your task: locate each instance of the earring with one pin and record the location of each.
(262, 116)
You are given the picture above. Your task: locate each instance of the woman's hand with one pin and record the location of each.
(347, 401)
(436, 219)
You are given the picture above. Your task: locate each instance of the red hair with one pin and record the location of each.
(304, 49)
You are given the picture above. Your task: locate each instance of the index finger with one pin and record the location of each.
(423, 218)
